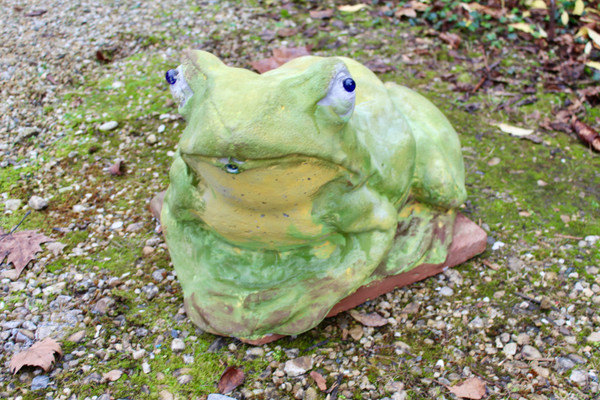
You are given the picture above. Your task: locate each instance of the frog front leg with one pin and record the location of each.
(353, 209)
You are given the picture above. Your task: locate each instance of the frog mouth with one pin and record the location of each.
(265, 203)
(290, 178)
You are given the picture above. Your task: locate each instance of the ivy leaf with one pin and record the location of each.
(21, 247)
(41, 354)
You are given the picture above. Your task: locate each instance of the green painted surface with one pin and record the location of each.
(288, 191)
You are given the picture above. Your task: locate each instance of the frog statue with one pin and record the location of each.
(291, 189)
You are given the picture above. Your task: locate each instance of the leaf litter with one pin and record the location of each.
(21, 247)
(231, 378)
(41, 354)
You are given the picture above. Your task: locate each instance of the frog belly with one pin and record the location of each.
(268, 205)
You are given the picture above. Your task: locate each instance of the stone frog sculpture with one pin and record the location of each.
(291, 189)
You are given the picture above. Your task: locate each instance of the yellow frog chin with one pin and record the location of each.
(267, 203)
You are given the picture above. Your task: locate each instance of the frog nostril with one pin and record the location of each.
(171, 76)
(232, 168)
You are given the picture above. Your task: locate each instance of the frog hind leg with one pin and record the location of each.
(426, 221)
(439, 177)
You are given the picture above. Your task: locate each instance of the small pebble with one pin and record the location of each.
(12, 204)
(151, 139)
(579, 377)
(446, 291)
(177, 345)
(510, 349)
(108, 126)
(37, 203)
(531, 353)
(40, 382)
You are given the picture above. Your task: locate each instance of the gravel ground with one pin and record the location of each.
(523, 317)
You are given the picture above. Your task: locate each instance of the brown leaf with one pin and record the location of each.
(356, 332)
(377, 65)
(285, 54)
(419, 6)
(372, 319)
(321, 14)
(231, 378)
(287, 32)
(472, 388)
(21, 247)
(116, 168)
(280, 57)
(451, 38)
(586, 133)
(112, 376)
(406, 12)
(264, 65)
(319, 380)
(41, 354)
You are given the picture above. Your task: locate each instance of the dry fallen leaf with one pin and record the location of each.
(593, 64)
(231, 378)
(116, 168)
(352, 8)
(472, 388)
(377, 65)
(587, 134)
(406, 12)
(321, 14)
(371, 319)
(578, 7)
(287, 32)
(320, 381)
(41, 354)
(21, 247)
(112, 376)
(514, 130)
(280, 57)
(451, 38)
(356, 332)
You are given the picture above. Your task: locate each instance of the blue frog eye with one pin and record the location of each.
(232, 168)
(349, 85)
(171, 76)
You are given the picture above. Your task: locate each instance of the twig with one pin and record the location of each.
(336, 386)
(558, 235)
(478, 86)
(16, 226)
(491, 265)
(551, 29)
(531, 299)
(314, 346)
(489, 381)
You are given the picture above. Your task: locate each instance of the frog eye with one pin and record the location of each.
(180, 89)
(341, 94)
(349, 85)
(232, 168)
(171, 76)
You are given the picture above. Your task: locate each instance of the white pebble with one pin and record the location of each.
(108, 126)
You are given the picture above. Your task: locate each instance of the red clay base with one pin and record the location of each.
(469, 240)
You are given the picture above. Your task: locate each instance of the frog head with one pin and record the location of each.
(262, 146)
(235, 114)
